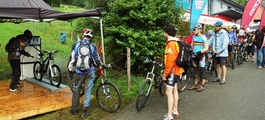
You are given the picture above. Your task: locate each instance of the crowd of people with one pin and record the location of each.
(223, 40)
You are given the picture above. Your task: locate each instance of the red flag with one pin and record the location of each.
(262, 21)
(249, 12)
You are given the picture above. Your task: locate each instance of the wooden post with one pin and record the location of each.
(129, 69)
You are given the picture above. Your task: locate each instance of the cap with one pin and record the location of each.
(218, 23)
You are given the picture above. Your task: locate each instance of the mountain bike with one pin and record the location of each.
(210, 67)
(150, 80)
(238, 55)
(47, 65)
(108, 96)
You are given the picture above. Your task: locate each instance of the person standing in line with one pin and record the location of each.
(172, 72)
(232, 43)
(219, 43)
(200, 47)
(260, 44)
(250, 46)
(83, 76)
(18, 49)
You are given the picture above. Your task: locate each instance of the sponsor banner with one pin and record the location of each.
(185, 4)
(196, 10)
(249, 12)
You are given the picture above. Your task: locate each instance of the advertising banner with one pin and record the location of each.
(196, 10)
(249, 12)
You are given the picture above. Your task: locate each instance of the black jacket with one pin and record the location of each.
(19, 44)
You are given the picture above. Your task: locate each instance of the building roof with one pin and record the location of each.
(231, 13)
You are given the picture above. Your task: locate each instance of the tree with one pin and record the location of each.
(242, 2)
(137, 25)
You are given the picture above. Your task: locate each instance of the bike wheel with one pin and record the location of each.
(55, 76)
(108, 96)
(37, 72)
(183, 83)
(143, 95)
(162, 89)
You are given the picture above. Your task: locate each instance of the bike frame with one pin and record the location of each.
(45, 63)
(150, 76)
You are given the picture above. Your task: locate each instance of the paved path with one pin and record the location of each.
(241, 98)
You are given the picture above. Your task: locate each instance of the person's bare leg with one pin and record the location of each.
(224, 71)
(218, 69)
(176, 100)
(170, 101)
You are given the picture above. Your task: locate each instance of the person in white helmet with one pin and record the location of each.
(86, 76)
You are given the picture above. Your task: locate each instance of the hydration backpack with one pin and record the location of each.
(84, 57)
(185, 54)
(9, 46)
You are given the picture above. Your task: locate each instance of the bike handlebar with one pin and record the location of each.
(47, 51)
(148, 60)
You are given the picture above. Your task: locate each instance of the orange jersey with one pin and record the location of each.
(171, 54)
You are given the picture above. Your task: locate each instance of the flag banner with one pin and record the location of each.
(262, 21)
(196, 10)
(185, 4)
(249, 12)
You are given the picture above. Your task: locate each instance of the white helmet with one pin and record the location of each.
(87, 33)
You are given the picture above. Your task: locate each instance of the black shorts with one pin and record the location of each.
(220, 60)
(172, 80)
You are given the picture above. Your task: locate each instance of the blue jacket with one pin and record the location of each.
(220, 42)
(74, 53)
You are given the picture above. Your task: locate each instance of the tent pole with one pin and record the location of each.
(102, 40)
(102, 45)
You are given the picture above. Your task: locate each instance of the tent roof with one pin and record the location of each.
(18, 10)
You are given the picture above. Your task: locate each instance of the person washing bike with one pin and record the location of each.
(83, 56)
(172, 72)
(17, 49)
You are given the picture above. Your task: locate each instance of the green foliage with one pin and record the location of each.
(137, 25)
(242, 2)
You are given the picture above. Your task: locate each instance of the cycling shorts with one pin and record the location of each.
(171, 81)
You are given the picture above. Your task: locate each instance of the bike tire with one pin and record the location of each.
(162, 88)
(111, 100)
(37, 71)
(57, 76)
(183, 83)
(143, 95)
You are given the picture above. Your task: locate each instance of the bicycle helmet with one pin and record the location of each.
(87, 33)
(228, 27)
(234, 27)
(210, 32)
(218, 23)
(241, 32)
(197, 26)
